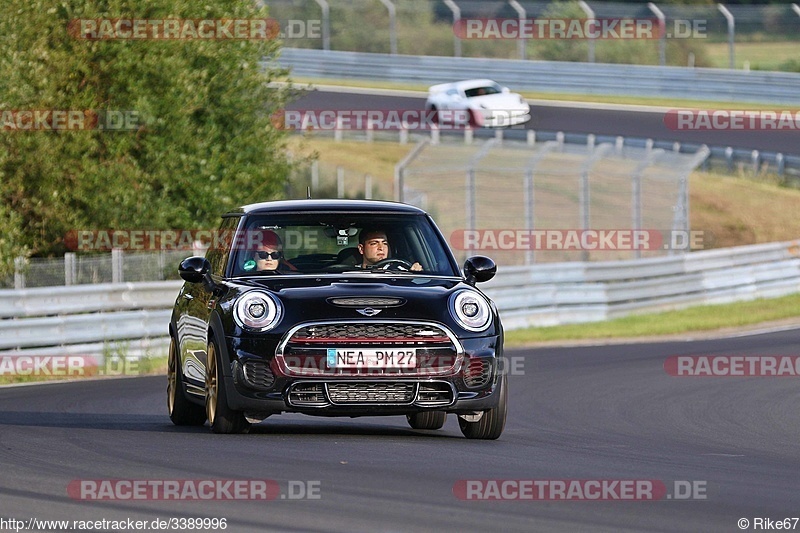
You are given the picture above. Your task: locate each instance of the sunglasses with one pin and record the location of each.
(269, 255)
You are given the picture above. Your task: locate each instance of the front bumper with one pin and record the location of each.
(470, 387)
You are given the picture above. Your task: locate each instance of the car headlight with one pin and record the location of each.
(257, 311)
(471, 310)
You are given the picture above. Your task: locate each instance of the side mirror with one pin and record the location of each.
(506, 90)
(194, 269)
(478, 269)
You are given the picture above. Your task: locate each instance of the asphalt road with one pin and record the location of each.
(586, 413)
(641, 124)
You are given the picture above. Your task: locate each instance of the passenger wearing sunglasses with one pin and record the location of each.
(269, 254)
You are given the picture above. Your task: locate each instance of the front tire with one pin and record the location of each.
(427, 420)
(182, 412)
(491, 424)
(222, 418)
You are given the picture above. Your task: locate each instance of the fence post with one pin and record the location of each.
(662, 26)
(731, 34)
(70, 268)
(339, 182)
(392, 26)
(19, 272)
(400, 170)
(530, 193)
(589, 15)
(456, 17)
(326, 24)
(117, 275)
(636, 190)
(521, 43)
(367, 187)
(315, 175)
(584, 192)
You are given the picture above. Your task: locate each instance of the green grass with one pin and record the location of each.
(760, 55)
(693, 319)
(145, 366)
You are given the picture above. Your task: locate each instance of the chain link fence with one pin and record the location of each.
(425, 27)
(77, 269)
(552, 201)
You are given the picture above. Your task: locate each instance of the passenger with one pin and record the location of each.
(269, 254)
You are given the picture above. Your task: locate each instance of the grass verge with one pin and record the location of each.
(145, 366)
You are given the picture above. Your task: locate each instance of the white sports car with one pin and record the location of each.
(480, 103)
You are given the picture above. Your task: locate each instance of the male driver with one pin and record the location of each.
(374, 248)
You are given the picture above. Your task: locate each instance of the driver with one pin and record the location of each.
(374, 248)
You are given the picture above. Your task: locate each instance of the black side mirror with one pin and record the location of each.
(478, 269)
(194, 269)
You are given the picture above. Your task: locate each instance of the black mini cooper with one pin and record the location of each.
(335, 308)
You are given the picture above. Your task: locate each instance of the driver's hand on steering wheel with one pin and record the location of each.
(416, 267)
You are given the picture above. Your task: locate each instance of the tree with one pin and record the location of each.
(201, 142)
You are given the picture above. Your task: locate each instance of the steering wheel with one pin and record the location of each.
(399, 264)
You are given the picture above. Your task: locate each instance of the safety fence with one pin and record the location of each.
(132, 318)
(716, 85)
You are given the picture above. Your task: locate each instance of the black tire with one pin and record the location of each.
(427, 420)
(181, 411)
(437, 118)
(222, 418)
(491, 424)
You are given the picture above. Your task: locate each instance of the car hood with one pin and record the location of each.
(312, 298)
(498, 101)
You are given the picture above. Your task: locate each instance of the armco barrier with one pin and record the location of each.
(133, 318)
(552, 294)
(552, 76)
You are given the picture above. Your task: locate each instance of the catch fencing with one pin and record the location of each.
(480, 192)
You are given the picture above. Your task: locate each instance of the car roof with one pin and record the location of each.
(463, 84)
(329, 205)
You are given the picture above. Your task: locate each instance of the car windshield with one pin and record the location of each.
(483, 90)
(319, 243)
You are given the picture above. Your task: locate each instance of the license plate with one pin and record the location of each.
(372, 358)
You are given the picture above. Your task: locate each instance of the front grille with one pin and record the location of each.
(258, 374)
(305, 351)
(384, 393)
(478, 372)
(360, 332)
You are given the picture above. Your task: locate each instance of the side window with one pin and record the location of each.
(220, 248)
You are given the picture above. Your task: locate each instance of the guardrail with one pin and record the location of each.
(552, 76)
(133, 317)
(561, 293)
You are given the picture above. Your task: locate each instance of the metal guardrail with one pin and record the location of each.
(552, 76)
(552, 294)
(133, 317)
